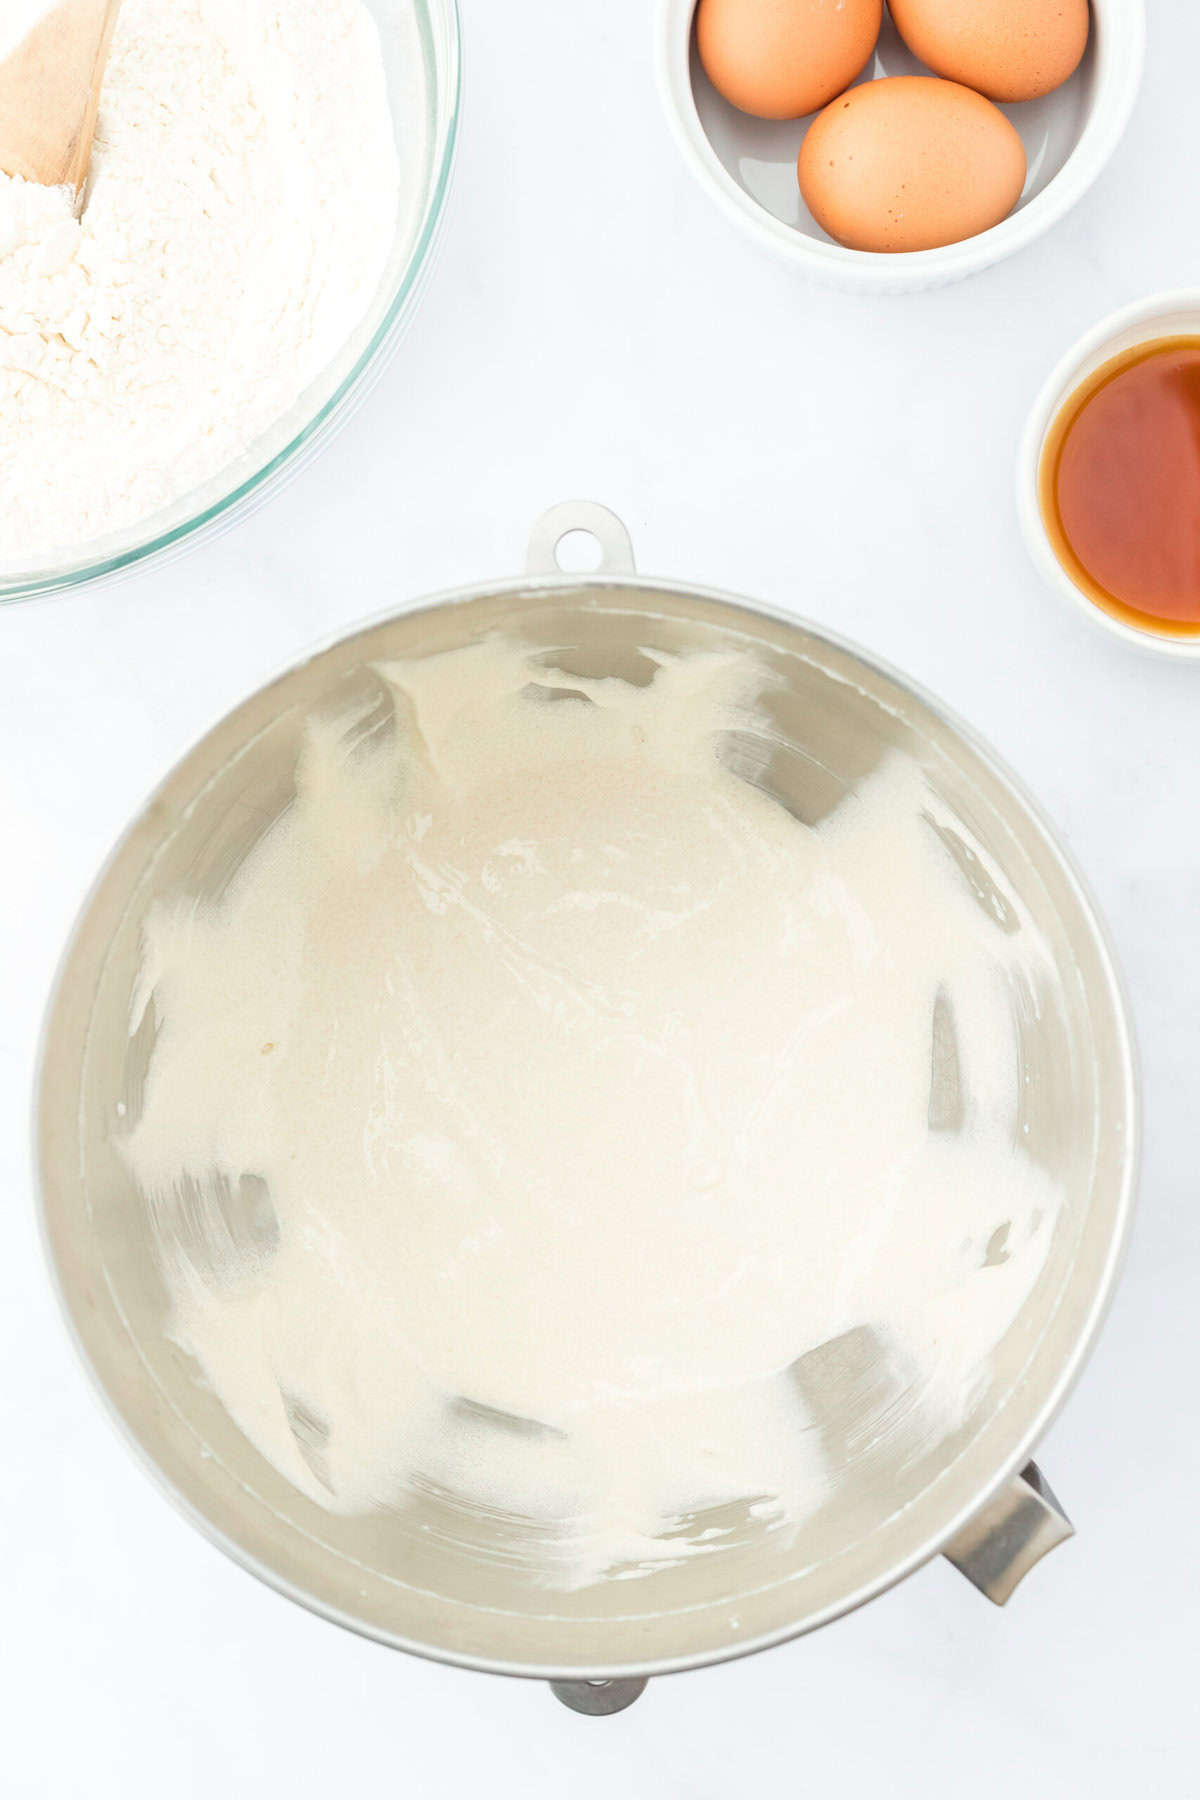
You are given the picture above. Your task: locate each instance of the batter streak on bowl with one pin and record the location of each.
(540, 1091)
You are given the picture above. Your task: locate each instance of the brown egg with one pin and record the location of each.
(780, 59)
(910, 163)
(1008, 49)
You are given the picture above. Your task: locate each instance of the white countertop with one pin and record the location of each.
(594, 327)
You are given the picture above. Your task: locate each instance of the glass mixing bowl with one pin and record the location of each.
(328, 401)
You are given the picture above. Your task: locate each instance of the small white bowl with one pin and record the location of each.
(749, 165)
(1175, 314)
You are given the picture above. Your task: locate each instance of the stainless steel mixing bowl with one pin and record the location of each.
(435, 1577)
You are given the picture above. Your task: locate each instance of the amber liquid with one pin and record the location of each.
(1119, 485)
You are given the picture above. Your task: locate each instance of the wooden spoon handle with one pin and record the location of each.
(50, 91)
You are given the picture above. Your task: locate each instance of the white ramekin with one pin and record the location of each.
(1174, 314)
(1104, 88)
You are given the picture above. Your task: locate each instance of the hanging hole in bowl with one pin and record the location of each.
(578, 552)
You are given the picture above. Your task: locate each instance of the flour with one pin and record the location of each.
(244, 198)
(540, 1092)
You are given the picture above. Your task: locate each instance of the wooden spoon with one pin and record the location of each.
(50, 90)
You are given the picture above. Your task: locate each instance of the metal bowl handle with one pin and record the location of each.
(595, 521)
(1012, 1533)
